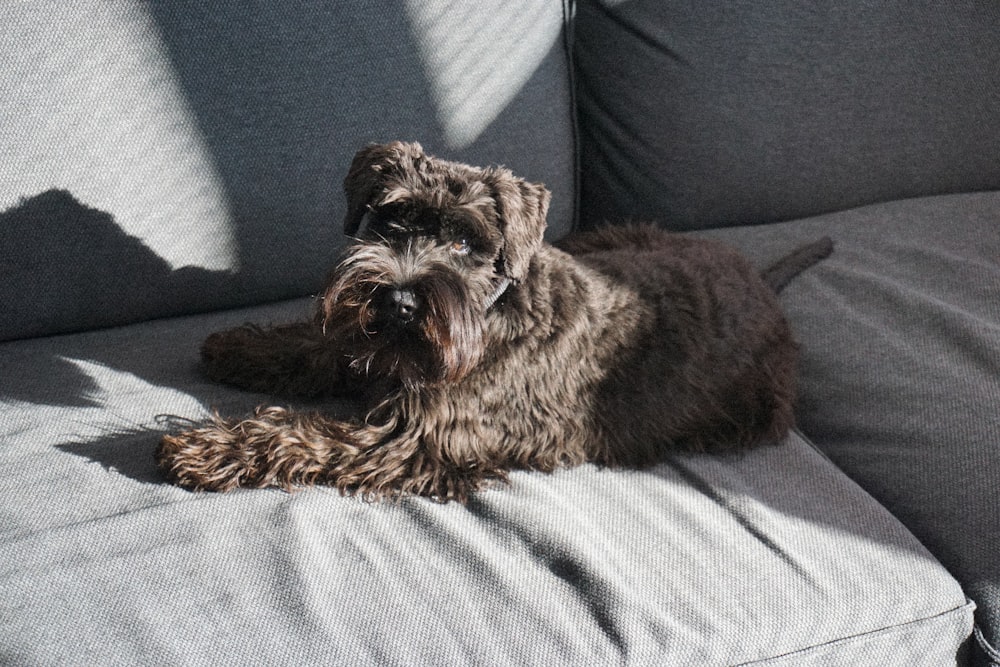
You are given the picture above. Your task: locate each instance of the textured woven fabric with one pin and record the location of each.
(712, 113)
(772, 557)
(901, 369)
(199, 148)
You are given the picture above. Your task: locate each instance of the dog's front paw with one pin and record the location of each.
(216, 345)
(274, 447)
(227, 356)
(289, 359)
(207, 458)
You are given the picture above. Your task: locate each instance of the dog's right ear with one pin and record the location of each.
(366, 177)
(522, 207)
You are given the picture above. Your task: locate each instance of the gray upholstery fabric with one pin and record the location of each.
(774, 557)
(703, 114)
(901, 369)
(203, 145)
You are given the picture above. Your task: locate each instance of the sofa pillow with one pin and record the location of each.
(704, 114)
(161, 158)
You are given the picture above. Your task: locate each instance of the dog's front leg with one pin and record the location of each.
(290, 359)
(285, 449)
(275, 447)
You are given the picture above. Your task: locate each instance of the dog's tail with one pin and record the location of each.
(779, 274)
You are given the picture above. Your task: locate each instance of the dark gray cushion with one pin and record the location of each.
(203, 145)
(774, 556)
(901, 368)
(703, 114)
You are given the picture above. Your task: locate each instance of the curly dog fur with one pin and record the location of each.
(483, 349)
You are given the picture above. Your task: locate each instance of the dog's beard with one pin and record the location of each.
(442, 343)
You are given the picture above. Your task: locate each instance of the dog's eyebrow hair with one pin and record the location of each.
(469, 220)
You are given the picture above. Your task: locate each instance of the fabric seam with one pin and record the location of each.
(967, 608)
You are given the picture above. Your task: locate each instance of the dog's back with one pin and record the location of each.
(714, 367)
(646, 237)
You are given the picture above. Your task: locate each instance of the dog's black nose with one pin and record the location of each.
(403, 303)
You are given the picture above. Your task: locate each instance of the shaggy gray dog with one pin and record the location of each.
(482, 349)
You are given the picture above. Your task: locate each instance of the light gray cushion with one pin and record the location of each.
(774, 557)
(711, 113)
(901, 369)
(203, 145)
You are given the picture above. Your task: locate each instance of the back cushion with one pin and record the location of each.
(164, 158)
(714, 113)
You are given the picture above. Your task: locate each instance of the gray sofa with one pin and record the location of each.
(170, 169)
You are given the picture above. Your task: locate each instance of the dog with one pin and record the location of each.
(482, 349)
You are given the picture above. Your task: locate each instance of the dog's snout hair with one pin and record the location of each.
(405, 311)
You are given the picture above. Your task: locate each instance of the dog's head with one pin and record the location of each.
(437, 243)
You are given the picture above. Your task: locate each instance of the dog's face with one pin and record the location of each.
(437, 244)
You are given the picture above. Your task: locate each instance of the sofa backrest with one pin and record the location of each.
(174, 157)
(713, 113)
(167, 158)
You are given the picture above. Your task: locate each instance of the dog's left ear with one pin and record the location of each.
(522, 207)
(366, 176)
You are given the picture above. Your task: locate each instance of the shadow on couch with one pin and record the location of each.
(68, 267)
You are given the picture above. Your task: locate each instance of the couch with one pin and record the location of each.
(172, 168)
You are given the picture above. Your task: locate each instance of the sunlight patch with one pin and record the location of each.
(103, 117)
(478, 60)
(126, 397)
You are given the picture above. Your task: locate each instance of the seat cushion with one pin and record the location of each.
(900, 384)
(711, 113)
(772, 557)
(200, 149)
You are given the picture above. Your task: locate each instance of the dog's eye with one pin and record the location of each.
(460, 247)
